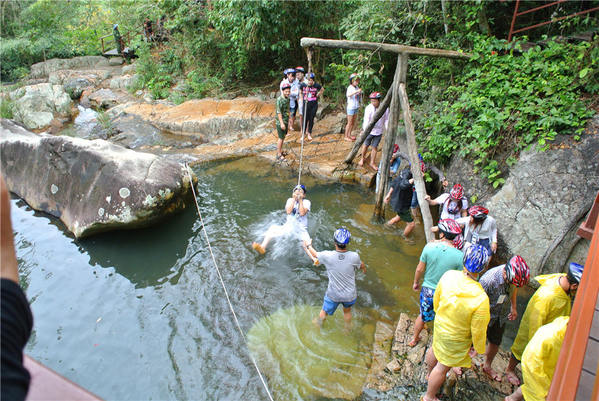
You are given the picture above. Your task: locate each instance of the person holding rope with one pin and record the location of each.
(310, 93)
(297, 208)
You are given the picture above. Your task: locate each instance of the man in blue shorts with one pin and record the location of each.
(437, 257)
(341, 266)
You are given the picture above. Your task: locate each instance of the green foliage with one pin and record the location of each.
(6, 108)
(505, 102)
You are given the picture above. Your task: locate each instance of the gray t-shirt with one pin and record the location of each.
(341, 268)
(498, 291)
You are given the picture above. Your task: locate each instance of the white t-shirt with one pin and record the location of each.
(449, 209)
(353, 99)
(302, 220)
(486, 230)
(381, 124)
(294, 90)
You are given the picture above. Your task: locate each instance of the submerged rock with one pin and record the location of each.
(91, 186)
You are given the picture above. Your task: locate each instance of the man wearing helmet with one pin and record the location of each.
(497, 283)
(282, 123)
(300, 74)
(293, 94)
(297, 208)
(437, 258)
(551, 300)
(479, 228)
(354, 99)
(455, 204)
(462, 310)
(341, 266)
(374, 138)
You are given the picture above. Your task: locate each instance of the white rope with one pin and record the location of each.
(299, 176)
(223, 284)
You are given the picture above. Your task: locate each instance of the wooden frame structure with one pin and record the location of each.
(399, 100)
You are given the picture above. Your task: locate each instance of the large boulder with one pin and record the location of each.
(43, 69)
(35, 106)
(91, 186)
(545, 198)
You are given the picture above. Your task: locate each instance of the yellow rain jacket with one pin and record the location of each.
(540, 357)
(461, 319)
(547, 303)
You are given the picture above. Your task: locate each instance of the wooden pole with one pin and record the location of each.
(427, 219)
(389, 138)
(362, 137)
(394, 48)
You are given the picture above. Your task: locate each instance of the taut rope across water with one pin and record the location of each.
(223, 283)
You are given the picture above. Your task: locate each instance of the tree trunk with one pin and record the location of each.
(415, 161)
(444, 11)
(362, 137)
(400, 72)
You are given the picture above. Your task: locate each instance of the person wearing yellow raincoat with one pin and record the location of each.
(539, 360)
(462, 315)
(551, 300)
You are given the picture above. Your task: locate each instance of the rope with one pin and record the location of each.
(299, 176)
(223, 284)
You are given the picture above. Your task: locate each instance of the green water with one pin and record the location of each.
(141, 314)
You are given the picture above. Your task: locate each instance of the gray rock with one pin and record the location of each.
(75, 87)
(36, 106)
(124, 81)
(324, 108)
(43, 69)
(128, 69)
(105, 99)
(116, 61)
(91, 186)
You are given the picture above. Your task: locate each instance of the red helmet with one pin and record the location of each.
(458, 242)
(375, 95)
(285, 86)
(517, 271)
(478, 212)
(450, 228)
(457, 192)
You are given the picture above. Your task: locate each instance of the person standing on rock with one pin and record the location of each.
(462, 315)
(310, 93)
(551, 300)
(293, 94)
(498, 282)
(341, 266)
(354, 100)
(301, 79)
(400, 199)
(374, 138)
(454, 204)
(479, 228)
(297, 208)
(437, 258)
(539, 361)
(282, 122)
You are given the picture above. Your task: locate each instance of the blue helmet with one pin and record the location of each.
(289, 71)
(300, 186)
(342, 236)
(476, 258)
(310, 75)
(575, 273)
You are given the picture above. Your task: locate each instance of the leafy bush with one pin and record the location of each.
(505, 102)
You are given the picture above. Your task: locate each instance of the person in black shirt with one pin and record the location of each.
(16, 318)
(400, 199)
(309, 94)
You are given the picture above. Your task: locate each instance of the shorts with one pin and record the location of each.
(303, 233)
(495, 332)
(351, 112)
(414, 203)
(406, 215)
(330, 306)
(292, 111)
(300, 108)
(372, 140)
(426, 304)
(281, 132)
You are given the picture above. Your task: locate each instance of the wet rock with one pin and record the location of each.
(43, 69)
(36, 106)
(104, 98)
(91, 186)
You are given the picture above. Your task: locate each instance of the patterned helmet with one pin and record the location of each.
(285, 86)
(478, 212)
(299, 69)
(375, 95)
(449, 228)
(575, 273)
(458, 242)
(289, 71)
(352, 77)
(517, 271)
(342, 236)
(476, 258)
(310, 75)
(457, 192)
(300, 186)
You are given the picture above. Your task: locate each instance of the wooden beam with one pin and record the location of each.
(388, 47)
(389, 140)
(427, 219)
(362, 137)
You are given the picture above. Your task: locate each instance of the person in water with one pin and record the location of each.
(341, 266)
(297, 208)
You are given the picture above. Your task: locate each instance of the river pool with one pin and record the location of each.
(141, 314)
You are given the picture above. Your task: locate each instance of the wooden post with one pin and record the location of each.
(309, 56)
(415, 163)
(361, 138)
(389, 139)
